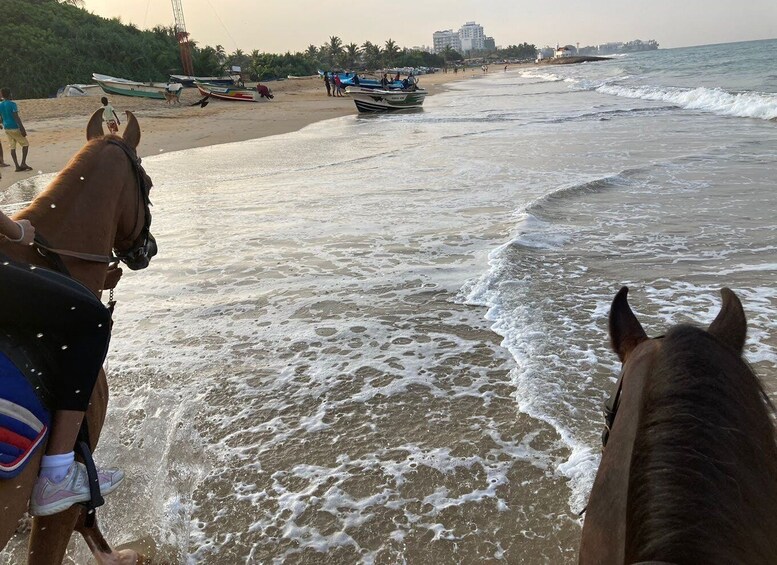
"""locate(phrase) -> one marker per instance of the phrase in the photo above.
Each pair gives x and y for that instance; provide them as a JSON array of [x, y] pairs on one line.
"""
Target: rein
[[44, 247], [611, 406]]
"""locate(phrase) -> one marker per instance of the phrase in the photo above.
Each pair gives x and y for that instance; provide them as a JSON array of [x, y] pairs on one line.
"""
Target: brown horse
[[97, 204], [689, 471]]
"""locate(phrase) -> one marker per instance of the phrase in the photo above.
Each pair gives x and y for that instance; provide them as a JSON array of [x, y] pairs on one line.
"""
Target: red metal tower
[[183, 39]]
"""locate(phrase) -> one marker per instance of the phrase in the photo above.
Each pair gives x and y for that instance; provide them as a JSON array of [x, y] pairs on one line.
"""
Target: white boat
[[378, 100], [75, 90], [228, 92], [124, 87], [189, 81]]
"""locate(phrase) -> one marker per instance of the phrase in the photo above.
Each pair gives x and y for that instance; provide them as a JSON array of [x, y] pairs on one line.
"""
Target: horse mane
[[79, 165], [703, 479]]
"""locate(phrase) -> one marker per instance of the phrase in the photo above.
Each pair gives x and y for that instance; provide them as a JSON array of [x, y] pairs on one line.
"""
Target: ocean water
[[383, 339]]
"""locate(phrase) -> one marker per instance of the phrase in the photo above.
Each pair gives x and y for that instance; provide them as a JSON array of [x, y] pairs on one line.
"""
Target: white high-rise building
[[472, 37], [447, 37]]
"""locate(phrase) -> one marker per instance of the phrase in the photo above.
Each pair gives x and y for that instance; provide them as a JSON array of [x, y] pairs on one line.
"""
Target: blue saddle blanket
[[24, 420]]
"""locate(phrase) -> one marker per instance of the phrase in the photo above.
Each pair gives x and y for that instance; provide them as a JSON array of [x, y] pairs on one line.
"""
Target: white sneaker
[[49, 497]]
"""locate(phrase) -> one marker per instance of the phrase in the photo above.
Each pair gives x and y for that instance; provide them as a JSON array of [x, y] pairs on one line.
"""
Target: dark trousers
[[46, 310]]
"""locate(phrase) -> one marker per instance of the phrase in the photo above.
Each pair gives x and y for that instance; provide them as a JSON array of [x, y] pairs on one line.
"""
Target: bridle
[[611, 406], [143, 246]]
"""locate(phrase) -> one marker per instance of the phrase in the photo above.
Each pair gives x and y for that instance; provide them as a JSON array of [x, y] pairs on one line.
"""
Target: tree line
[[50, 43]]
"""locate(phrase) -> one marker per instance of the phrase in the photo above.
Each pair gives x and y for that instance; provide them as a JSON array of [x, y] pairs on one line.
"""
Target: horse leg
[[101, 551], [15, 496], [50, 536]]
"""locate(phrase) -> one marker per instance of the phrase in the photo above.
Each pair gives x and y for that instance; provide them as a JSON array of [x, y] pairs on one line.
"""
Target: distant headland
[[570, 60]]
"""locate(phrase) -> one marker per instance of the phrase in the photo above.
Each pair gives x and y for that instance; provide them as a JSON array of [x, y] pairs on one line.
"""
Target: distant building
[[447, 37], [545, 52], [469, 39], [472, 37], [607, 48], [565, 51]]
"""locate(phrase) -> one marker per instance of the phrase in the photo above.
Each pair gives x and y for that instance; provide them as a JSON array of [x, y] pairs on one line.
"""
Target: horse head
[[134, 245], [689, 463]]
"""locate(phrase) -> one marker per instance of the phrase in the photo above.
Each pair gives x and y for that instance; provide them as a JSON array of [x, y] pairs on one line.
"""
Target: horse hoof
[[25, 524]]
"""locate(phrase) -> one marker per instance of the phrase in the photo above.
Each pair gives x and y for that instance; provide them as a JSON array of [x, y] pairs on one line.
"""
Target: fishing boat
[[347, 79], [124, 87], [378, 100], [228, 92], [188, 81]]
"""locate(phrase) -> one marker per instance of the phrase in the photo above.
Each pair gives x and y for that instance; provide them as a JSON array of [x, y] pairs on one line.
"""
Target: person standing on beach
[[326, 83], [14, 129], [110, 117], [338, 86], [263, 91], [2, 161]]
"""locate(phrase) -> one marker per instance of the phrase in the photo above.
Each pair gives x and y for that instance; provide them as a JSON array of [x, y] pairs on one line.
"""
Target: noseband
[[144, 244]]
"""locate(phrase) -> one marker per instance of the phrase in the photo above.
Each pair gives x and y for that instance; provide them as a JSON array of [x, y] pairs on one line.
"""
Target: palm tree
[[335, 46], [221, 55], [390, 52], [447, 53], [311, 51], [352, 55], [372, 55]]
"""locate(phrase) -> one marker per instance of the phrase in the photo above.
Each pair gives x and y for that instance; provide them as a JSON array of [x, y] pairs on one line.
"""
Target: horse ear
[[94, 128], [730, 325], [626, 332], [132, 131]]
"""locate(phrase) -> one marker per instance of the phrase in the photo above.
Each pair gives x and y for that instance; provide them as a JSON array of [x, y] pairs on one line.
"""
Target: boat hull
[[228, 92], [188, 81], [142, 91], [372, 100]]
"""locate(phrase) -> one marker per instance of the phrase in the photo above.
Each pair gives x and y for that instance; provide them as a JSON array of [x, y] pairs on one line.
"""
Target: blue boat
[[346, 79]]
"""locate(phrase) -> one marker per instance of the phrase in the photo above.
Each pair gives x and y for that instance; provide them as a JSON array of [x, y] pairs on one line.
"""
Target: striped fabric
[[24, 422]]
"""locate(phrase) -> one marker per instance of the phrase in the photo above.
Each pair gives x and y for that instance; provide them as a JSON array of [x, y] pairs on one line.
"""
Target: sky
[[291, 25]]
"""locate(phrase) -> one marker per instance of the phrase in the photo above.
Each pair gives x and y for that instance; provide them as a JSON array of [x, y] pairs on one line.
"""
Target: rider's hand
[[27, 233], [112, 277]]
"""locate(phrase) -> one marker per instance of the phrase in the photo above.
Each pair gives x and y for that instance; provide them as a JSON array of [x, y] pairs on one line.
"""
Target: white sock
[[55, 467]]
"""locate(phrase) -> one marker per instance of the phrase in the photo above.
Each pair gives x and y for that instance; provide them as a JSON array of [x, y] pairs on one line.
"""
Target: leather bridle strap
[[39, 242], [611, 409]]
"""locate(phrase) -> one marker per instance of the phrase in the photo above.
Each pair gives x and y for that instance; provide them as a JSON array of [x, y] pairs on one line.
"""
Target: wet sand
[[56, 126]]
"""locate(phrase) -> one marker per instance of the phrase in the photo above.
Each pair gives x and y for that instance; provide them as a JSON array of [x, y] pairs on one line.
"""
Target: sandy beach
[[56, 126]]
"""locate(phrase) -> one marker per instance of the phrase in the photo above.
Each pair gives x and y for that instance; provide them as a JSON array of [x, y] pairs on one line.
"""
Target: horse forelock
[[703, 479]]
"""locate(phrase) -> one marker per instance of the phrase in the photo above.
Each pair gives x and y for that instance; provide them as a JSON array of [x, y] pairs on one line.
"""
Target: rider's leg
[[59, 449]]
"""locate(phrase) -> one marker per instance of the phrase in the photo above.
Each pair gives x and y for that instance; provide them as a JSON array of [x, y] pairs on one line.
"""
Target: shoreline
[[56, 126]]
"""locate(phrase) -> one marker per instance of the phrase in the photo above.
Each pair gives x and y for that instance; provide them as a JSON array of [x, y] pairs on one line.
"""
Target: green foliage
[[47, 44], [269, 66], [416, 58], [523, 51]]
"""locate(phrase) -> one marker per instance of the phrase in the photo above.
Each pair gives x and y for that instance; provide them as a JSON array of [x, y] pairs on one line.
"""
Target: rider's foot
[[49, 497]]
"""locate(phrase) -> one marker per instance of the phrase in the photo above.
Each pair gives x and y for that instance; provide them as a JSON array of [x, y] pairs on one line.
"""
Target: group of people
[[334, 86], [14, 131]]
